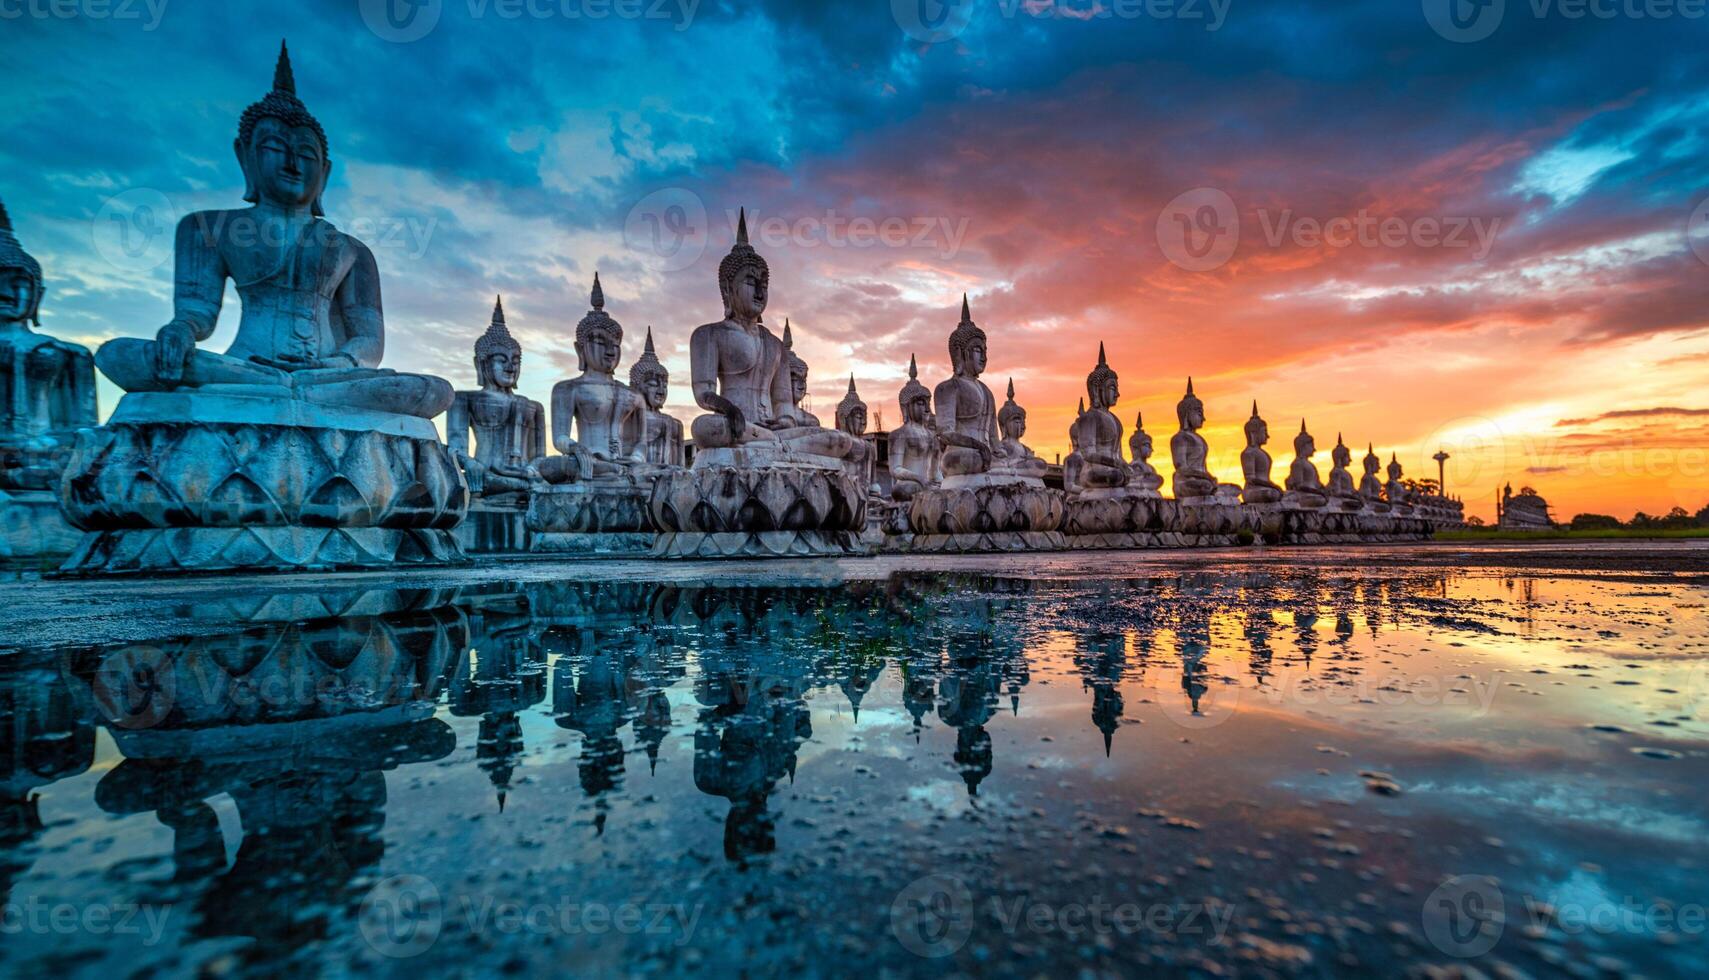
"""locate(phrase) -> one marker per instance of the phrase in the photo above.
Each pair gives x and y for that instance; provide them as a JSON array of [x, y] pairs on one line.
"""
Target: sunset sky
[[1525, 280]]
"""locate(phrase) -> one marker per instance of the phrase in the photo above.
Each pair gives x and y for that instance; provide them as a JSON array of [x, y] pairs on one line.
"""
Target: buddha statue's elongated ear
[[325, 178], [245, 163]]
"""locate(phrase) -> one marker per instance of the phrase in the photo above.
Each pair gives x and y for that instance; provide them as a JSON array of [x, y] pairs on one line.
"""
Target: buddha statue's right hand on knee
[[172, 348]]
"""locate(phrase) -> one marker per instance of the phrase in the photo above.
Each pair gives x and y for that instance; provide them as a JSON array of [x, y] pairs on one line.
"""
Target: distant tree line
[[1677, 519]]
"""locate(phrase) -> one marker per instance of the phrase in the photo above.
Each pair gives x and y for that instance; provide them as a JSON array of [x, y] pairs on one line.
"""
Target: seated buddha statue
[[1255, 463], [1341, 488], [1142, 476], [311, 327], [662, 444], [740, 375], [1013, 456], [1189, 451], [851, 420], [509, 429], [1305, 487], [1398, 496], [964, 407], [1371, 485], [914, 448], [607, 417], [1096, 436], [47, 386]]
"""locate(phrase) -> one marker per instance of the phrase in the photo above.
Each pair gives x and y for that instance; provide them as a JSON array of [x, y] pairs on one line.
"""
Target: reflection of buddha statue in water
[[47, 386], [1305, 487], [1096, 462], [662, 445], [914, 447], [609, 419], [1015, 456], [740, 374], [964, 407], [312, 326], [1255, 463], [1340, 480], [509, 429], [1143, 477]]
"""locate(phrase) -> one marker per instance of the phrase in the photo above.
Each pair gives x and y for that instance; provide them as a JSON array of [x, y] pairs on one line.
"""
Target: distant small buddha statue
[[1255, 463], [509, 429], [1399, 498], [851, 420], [1305, 487], [797, 382], [1371, 485], [663, 444], [608, 418], [1341, 486], [964, 407], [47, 386], [312, 326], [1013, 455], [740, 374], [1189, 451], [1143, 477], [1096, 436], [914, 450]]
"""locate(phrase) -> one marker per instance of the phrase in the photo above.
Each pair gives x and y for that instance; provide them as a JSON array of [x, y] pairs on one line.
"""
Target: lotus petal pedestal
[[603, 516], [741, 503], [213, 481], [31, 527], [987, 512]]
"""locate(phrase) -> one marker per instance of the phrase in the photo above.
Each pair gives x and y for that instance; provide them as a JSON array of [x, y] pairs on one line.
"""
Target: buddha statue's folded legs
[[129, 363]]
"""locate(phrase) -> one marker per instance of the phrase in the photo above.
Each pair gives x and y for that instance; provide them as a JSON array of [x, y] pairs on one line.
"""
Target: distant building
[[1522, 511]]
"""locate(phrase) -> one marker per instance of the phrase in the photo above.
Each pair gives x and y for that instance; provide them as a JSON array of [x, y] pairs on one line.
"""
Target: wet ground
[[1290, 762]]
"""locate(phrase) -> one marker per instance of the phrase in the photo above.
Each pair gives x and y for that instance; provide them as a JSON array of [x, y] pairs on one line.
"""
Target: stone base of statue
[[602, 516], [758, 502], [886, 528], [1111, 510], [987, 512], [31, 526], [495, 525], [223, 480]]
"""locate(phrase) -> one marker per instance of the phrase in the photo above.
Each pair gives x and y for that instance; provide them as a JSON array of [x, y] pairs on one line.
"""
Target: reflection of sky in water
[[1316, 751]]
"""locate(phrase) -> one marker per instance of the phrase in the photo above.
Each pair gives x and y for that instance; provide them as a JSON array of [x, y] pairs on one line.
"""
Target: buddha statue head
[[282, 148], [915, 399], [851, 412], [1139, 444], [743, 277], [1372, 461], [1257, 431], [599, 338], [1012, 418], [20, 278], [649, 377], [1304, 445], [1341, 456], [498, 357], [1190, 411], [1101, 385], [1395, 469], [797, 367], [967, 345]]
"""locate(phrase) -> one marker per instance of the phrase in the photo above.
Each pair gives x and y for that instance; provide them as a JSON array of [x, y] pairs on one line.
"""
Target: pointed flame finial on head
[[1082, 409], [598, 296], [913, 367], [1254, 408], [788, 338], [1189, 384], [1011, 389], [1138, 421], [851, 383], [648, 349], [498, 309], [966, 313], [5, 219], [284, 80], [1302, 427], [741, 227], [1102, 361]]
